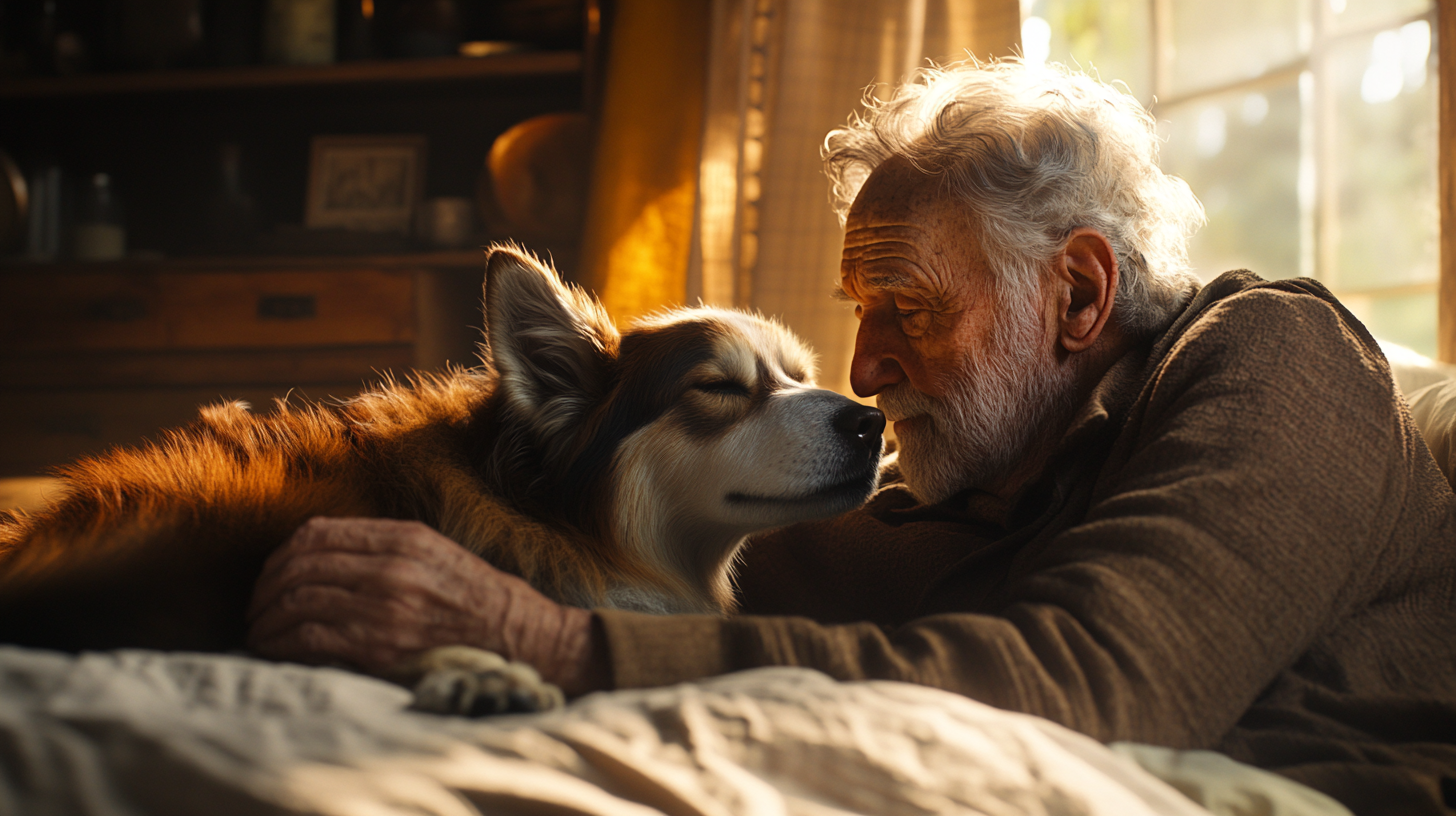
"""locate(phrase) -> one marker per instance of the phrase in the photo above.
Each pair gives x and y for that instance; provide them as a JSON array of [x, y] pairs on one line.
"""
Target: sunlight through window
[[1307, 127]]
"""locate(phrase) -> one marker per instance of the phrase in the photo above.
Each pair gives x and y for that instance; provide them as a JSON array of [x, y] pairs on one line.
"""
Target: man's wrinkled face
[[966, 381]]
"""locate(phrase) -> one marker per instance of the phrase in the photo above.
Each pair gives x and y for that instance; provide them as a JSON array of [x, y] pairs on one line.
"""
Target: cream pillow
[[1434, 410]]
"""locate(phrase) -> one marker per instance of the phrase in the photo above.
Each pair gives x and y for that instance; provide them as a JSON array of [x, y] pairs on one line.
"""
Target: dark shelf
[[374, 72], [439, 259]]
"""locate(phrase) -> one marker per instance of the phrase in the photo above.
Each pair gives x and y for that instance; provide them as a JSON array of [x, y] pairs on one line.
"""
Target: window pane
[[1383, 168], [1110, 36], [1218, 43], [1409, 319], [1349, 14], [1240, 154]]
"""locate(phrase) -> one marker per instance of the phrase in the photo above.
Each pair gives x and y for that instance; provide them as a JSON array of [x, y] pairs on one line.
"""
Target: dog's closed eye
[[723, 388]]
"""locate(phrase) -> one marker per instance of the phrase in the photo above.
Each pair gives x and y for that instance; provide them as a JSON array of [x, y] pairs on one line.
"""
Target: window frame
[[1318, 248], [1445, 31]]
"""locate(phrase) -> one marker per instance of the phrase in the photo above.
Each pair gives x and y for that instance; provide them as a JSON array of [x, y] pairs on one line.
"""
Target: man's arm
[[1251, 501], [1268, 484]]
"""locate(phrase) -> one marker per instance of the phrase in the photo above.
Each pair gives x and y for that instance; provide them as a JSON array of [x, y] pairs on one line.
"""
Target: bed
[[133, 732], [136, 732]]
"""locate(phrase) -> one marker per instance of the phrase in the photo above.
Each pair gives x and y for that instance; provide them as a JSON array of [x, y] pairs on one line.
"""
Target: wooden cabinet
[[100, 354], [176, 310]]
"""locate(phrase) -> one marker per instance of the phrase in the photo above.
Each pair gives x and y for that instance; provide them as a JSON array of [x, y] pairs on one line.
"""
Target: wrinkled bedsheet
[[136, 732]]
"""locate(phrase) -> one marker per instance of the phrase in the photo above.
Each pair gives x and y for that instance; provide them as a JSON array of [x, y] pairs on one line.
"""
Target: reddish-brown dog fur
[[174, 534], [605, 469], [159, 546]]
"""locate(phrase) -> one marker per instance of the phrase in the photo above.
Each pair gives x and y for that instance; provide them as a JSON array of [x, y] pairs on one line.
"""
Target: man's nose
[[874, 367]]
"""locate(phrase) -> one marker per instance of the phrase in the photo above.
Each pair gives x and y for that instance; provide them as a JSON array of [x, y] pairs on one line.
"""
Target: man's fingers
[[321, 623], [312, 535], [367, 591], [345, 570], [356, 535], [366, 637], [360, 536], [315, 642], [328, 604]]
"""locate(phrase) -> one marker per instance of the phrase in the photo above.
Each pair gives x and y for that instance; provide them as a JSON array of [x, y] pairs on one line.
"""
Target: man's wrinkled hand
[[373, 593]]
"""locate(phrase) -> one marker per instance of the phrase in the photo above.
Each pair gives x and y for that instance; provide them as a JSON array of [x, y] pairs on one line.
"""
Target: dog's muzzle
[[861, 425]]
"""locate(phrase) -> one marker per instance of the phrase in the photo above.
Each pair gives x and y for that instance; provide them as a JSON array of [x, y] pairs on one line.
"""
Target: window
[[1308, 128]]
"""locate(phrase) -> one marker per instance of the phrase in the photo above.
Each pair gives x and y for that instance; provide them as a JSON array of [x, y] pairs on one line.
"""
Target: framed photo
[[365, 183]]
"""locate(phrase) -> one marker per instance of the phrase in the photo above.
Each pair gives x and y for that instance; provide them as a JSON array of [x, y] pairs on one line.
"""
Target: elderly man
[[1197, 518]]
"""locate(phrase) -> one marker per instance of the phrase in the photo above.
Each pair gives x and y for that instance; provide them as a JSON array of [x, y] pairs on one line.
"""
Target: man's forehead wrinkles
[[881, 233], [894, 251]]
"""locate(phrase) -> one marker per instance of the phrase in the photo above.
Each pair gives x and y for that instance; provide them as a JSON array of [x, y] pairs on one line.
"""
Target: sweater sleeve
[[1252, 498]]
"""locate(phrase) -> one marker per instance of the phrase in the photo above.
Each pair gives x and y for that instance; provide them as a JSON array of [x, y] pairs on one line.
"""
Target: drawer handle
[[117, 310], [287, 307]]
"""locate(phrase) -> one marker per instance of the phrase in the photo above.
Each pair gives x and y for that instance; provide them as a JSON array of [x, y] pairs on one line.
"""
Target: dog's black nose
[[863, 423]]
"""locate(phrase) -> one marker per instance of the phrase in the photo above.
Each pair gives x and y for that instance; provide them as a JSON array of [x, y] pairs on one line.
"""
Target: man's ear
[[1086, 277], [550, 343]]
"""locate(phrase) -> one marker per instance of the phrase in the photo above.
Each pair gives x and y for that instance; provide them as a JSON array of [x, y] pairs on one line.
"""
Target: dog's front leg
[[465, 681]]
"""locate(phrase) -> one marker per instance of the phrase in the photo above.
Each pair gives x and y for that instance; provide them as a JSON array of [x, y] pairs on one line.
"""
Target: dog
[[608, 469]]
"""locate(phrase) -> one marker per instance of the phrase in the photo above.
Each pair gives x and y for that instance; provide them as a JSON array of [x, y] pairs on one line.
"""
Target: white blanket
[[149, 733]]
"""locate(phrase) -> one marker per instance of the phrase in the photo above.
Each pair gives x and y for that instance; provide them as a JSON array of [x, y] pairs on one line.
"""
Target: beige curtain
[[707, 183], [781, 74], [644, 187]]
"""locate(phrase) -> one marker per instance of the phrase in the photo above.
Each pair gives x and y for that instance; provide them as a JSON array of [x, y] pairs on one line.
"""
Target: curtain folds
[[782, 74], [644, 179], [708, 183]]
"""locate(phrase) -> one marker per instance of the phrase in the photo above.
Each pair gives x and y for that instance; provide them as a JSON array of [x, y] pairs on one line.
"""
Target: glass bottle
[[299, 32], [99, 234]]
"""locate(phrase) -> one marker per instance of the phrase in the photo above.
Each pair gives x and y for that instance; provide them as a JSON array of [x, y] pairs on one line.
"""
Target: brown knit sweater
[[1242, 543]]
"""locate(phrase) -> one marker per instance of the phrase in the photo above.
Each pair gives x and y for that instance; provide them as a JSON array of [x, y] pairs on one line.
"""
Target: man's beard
[[993, 412]]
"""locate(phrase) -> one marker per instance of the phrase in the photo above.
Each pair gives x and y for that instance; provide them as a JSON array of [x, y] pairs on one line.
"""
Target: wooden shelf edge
[[379, 72], [443, 259]]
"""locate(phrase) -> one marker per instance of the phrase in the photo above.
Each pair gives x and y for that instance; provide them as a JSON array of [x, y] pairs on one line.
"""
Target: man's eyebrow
[[886, 280], [879, 282]]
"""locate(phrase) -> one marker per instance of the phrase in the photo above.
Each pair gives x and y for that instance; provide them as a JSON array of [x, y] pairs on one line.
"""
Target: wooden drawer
[[228, 367], [95, 358], [212, 310]]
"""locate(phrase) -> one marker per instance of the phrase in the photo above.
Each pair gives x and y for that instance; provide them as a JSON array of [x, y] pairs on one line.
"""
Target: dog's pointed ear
[[551, 343]]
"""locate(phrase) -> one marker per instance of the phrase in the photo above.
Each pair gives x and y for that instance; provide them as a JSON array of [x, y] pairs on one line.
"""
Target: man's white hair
[[1036, 152]]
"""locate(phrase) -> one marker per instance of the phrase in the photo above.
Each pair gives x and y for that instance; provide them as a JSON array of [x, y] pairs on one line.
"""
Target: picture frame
[[365, 183]]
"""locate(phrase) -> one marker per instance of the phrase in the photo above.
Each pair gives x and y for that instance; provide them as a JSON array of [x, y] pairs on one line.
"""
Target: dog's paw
[[470, 682]]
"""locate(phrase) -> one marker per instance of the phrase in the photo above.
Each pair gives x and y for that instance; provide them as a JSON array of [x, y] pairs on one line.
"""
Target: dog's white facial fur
[[752, 445], [705, 423]]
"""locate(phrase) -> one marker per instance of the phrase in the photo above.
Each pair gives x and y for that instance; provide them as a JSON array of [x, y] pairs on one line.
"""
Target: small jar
[[99, 234], [299, 32]]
